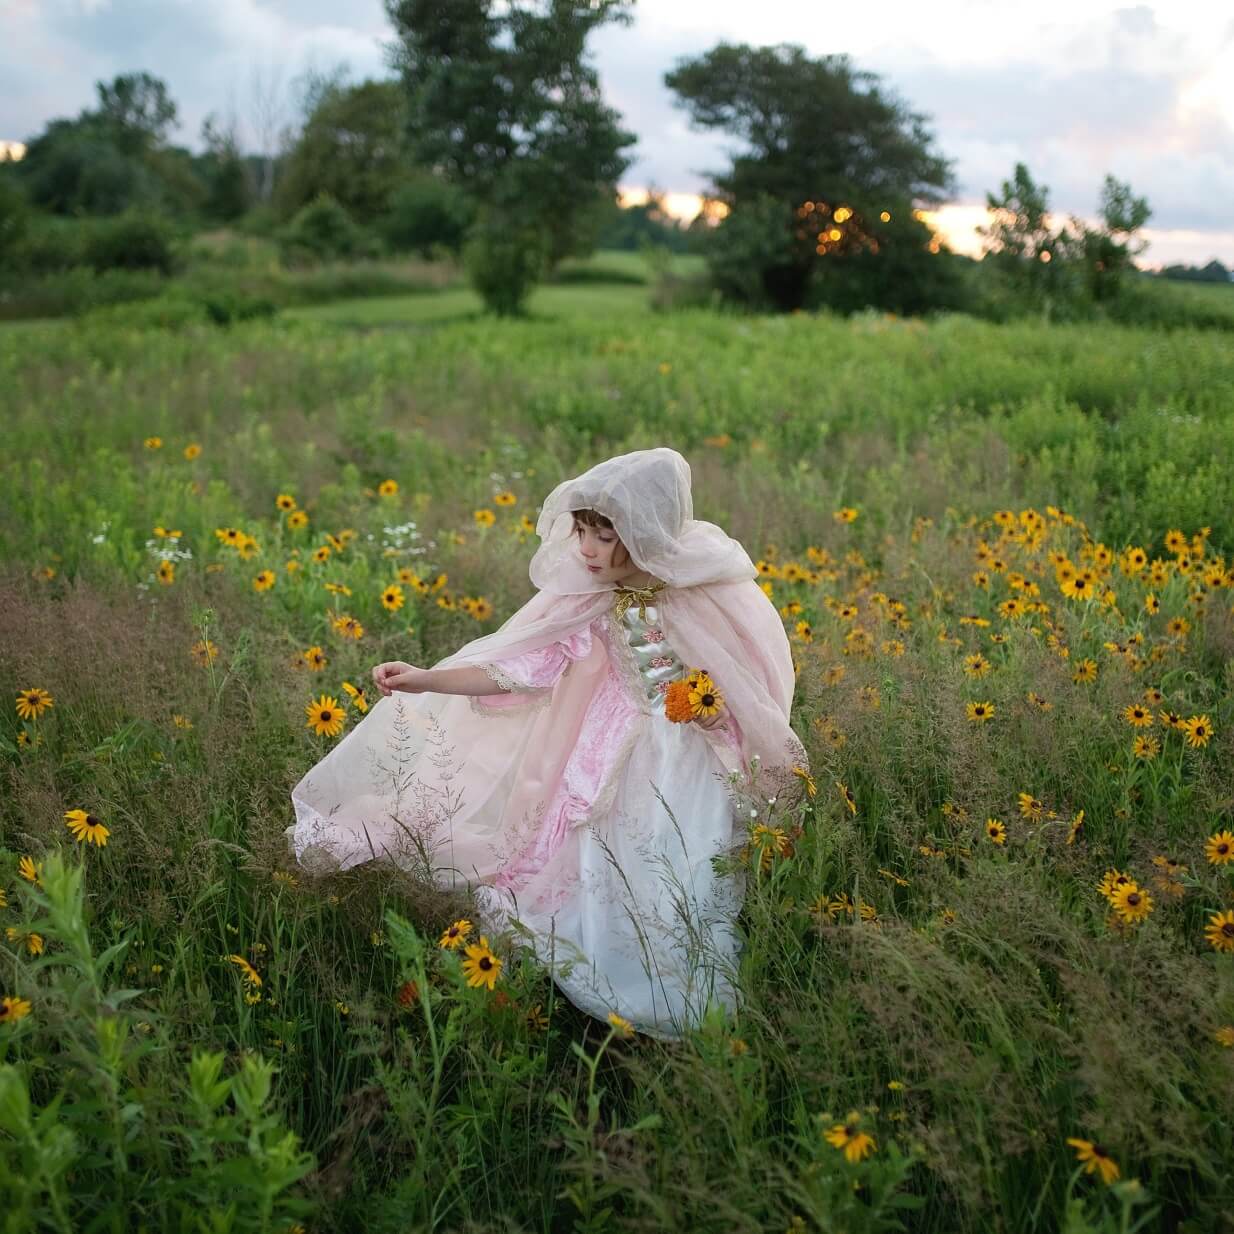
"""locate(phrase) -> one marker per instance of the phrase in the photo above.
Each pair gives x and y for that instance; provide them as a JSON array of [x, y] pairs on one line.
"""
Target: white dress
[[617, 894]]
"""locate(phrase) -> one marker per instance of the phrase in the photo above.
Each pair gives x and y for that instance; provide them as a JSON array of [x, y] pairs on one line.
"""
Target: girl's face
[[598, 546]]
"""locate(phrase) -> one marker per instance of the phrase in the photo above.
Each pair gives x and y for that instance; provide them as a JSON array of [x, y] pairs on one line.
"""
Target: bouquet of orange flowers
[[691, 696]]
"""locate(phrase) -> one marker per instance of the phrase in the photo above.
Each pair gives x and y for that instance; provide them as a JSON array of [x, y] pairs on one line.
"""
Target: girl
[[536, 765]]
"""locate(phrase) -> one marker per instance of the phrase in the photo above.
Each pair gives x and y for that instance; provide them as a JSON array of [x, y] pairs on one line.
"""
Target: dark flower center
[[485, 963]]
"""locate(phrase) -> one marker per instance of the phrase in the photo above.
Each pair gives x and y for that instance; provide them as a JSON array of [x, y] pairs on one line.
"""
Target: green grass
[[990, 982]]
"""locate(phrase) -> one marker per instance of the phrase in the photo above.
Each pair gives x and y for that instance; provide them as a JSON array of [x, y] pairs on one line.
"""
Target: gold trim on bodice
[[642, 596]]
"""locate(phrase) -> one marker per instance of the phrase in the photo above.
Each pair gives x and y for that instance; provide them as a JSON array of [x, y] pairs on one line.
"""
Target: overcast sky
[[1073, 88]]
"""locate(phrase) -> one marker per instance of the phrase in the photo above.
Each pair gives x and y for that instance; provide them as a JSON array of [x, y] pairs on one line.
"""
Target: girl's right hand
[[399, 675]]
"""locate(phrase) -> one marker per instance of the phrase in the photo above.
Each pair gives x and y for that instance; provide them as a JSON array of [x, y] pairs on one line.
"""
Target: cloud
[[1107, 95]]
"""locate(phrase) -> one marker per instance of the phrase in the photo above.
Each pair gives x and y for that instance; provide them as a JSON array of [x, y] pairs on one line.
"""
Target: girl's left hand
[[710, 722]]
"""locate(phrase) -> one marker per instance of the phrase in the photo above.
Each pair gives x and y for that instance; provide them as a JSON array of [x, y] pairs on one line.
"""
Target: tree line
[[493, 142]]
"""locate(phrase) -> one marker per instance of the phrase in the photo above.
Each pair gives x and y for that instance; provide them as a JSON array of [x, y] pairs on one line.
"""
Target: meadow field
[[988, 982]]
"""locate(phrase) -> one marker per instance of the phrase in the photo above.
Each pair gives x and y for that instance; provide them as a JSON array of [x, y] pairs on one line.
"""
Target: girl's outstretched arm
[[462, 679]]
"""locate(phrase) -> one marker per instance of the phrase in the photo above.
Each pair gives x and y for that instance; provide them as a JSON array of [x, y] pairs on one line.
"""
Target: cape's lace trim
[[502, 678], [531, 702]]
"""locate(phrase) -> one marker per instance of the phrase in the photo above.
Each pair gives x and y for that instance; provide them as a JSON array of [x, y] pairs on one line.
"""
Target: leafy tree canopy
[[814, 127], [352, 147], [502, 102]]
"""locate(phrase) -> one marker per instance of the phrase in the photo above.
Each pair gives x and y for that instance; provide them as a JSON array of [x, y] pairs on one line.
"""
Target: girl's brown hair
[[592, 518]]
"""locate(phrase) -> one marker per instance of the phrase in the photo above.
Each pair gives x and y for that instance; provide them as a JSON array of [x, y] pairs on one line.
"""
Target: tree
[[352, 147], [1110, 250], [228, 192], [138, 111], [831, 157], [814, 127], [502, 103], [1062, 267], [109, 159]]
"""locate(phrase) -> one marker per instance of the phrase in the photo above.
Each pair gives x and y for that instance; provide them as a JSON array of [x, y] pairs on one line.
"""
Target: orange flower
[[677, 702]]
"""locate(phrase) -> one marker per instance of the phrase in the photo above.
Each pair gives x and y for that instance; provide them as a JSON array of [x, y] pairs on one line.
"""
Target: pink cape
[[455, 785]]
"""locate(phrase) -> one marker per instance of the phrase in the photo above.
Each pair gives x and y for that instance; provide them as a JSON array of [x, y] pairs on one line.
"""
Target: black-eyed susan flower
[[848, 1136], [285, 502], [1219, 848], [1111, 881], [1030, 806], [1138, 715], [297, 520], [166, 573], [810, 787], [620, 1024], [705, 699], [481, 967], [455, 934], [31, 871], [845, 514], [31, 703], [86, 828], [247, 971], [1131, 902], [387, 488], [976, 665], [315, 658], [1095, 1158], [1198, 730], [30, 939], [1085, 671], [325, 717], [392, 598], [1225, 1036], [321, 554], [846, 796], [505, 498], [1076, 824], [1145, 748], [1220, 931], [264, 581], [204, 652], [192, 451], [484, 517], [153, 443], [1037, 701], [13, 1009], [979, 713], [356, 694], [996, 831]]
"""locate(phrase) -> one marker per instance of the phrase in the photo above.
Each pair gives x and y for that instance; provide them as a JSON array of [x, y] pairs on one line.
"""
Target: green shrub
[[425, 216], [130, 241], [14, 220], [504, 261], [323, 230], [64, 293]]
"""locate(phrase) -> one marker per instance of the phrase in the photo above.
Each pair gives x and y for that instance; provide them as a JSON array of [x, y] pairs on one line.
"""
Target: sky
[[1072, 88]]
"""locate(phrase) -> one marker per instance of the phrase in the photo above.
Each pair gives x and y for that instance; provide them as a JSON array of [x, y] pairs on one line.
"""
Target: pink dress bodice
[[640, 666]]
